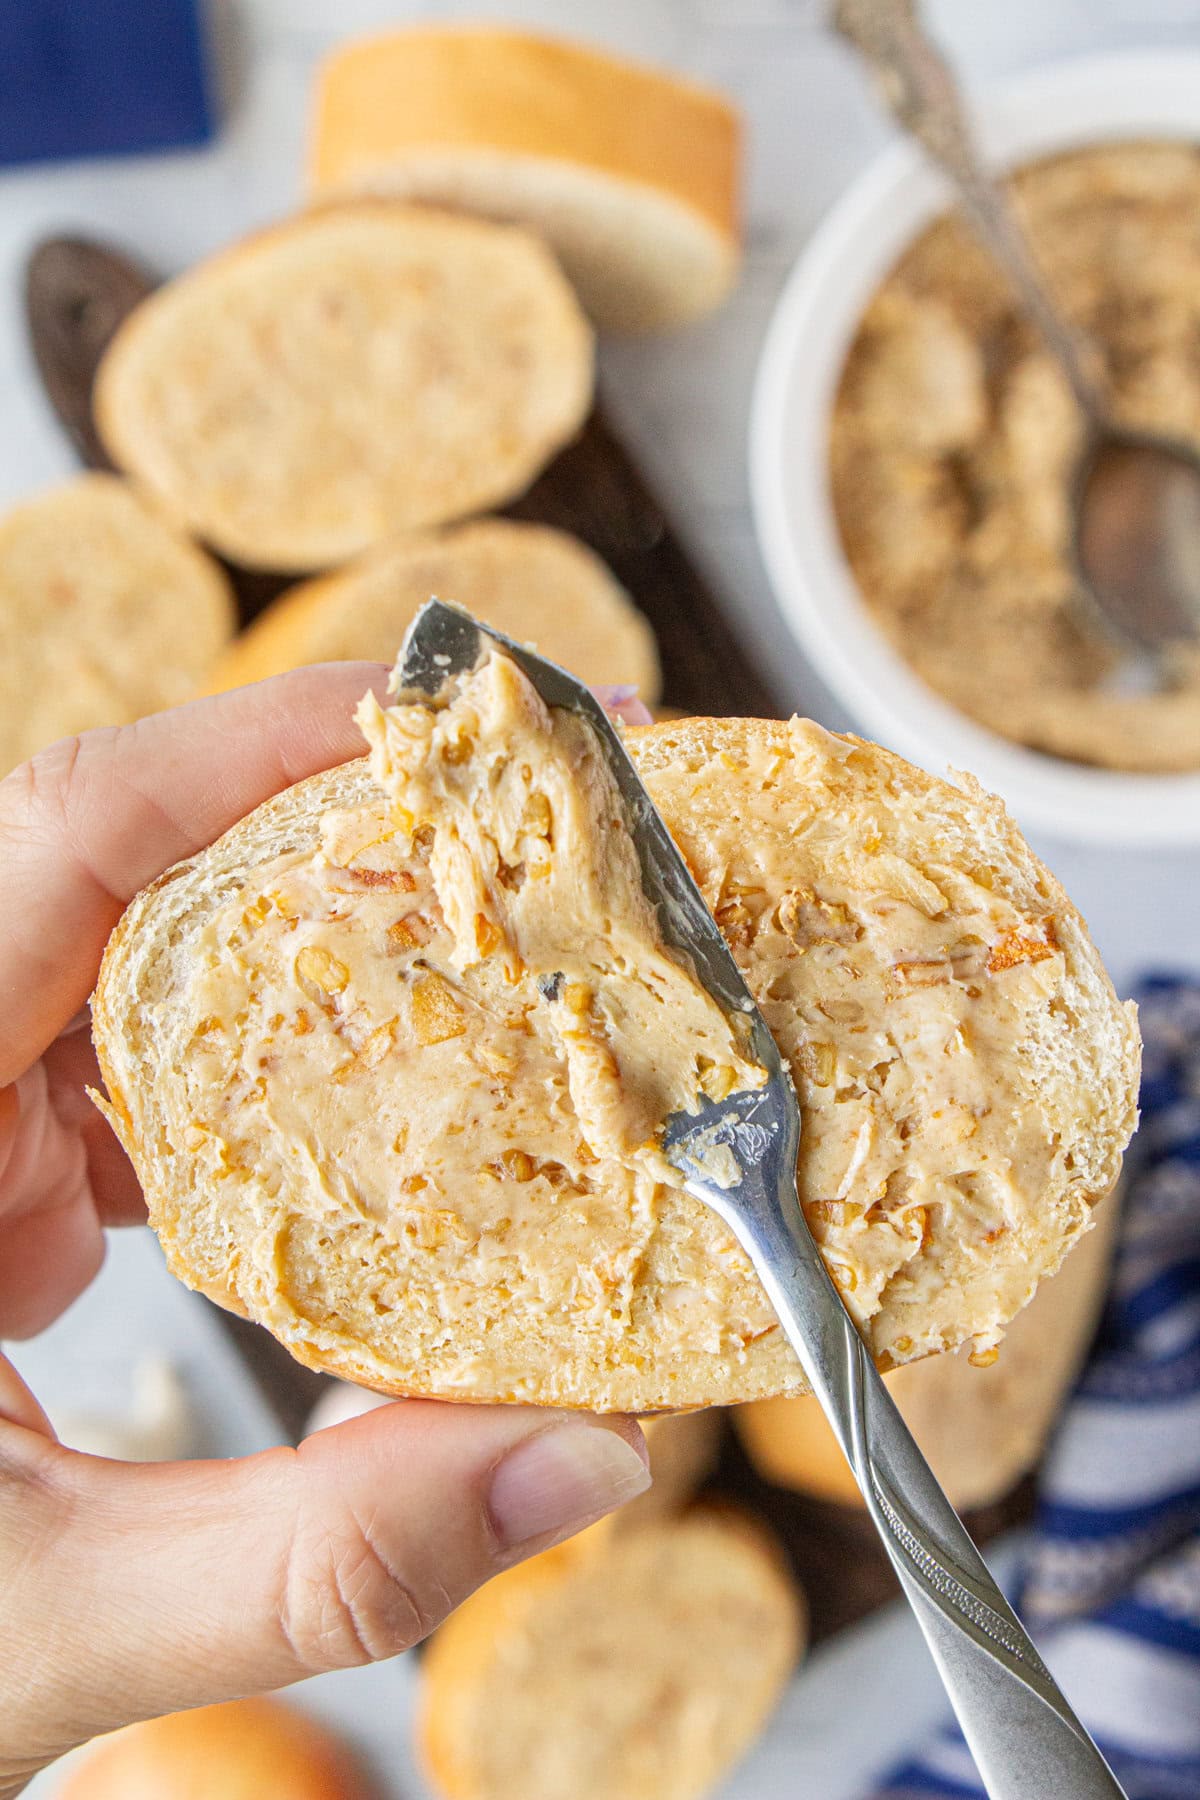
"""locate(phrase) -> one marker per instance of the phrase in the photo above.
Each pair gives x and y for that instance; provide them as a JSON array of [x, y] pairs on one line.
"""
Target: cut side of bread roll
[[643, 1670], [540, 586], [242, 1750], [382, 1150], [351, 373], [631, 175], [107, 613], [981, 1429]]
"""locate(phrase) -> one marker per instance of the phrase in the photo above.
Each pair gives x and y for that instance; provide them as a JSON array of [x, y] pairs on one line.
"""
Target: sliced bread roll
[[632, 175], [106, 613], [351, 373], [383, 1150], [643, 1669], [541, 586], [981, 1429]]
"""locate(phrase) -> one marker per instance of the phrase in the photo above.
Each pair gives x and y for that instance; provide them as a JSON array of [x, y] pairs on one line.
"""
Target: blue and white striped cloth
[[1110, 1586]]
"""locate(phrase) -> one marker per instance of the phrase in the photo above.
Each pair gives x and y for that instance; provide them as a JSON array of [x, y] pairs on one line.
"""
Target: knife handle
[[1024, 1736]]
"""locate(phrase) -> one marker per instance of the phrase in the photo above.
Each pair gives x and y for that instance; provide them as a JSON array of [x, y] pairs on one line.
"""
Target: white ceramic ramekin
[[1139, 94]]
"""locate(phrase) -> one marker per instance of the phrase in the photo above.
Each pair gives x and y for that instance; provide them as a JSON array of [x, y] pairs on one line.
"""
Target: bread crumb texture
[[540, 586], [109, 613], [358, 1120], [631, 174], [655, 1659], [354, 372]]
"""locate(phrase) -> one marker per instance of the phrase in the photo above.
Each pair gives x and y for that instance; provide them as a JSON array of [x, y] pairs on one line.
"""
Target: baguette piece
[[347, 374], [383, 1151], [981, 1430], [639, 1667], [631, 174], [541, 586], [108, 613]]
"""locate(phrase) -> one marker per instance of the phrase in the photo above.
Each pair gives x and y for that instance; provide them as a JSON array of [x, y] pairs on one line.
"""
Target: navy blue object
[[1110, 1587], [101, 78]]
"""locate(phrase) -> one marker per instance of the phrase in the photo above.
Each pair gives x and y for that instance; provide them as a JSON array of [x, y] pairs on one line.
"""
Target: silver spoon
[[1136, 496]]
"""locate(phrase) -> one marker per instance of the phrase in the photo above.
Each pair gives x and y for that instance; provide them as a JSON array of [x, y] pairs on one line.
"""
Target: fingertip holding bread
[[637, 1667], [350, 373], [355, 1119], [539, 585], [631, 174], [242, 1750], [109, 613], [981, 1429]]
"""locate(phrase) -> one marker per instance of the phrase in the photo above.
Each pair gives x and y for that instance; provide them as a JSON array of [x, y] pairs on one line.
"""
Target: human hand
[[127, 1590]]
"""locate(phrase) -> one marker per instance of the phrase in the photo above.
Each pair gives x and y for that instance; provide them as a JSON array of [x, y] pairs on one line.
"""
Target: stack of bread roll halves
[[352, 389]]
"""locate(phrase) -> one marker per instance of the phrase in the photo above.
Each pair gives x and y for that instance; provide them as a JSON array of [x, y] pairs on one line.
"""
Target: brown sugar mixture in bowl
[[954, 441]]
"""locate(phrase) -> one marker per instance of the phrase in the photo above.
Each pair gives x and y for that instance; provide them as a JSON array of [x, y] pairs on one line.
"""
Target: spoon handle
[[1026, 1740], [923, 97]]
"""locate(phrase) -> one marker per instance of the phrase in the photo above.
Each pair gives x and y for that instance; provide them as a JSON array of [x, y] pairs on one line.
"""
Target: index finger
[[87, 823]]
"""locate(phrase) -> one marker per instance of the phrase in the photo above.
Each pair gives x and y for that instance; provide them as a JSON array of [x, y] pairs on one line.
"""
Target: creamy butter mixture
[[434, 1054], [390, 1074], [955, 440], [912, 1000], [533, 866]]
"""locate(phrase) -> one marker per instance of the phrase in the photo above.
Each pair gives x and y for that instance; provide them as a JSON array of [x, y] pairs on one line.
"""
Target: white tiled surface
[[683, 403]]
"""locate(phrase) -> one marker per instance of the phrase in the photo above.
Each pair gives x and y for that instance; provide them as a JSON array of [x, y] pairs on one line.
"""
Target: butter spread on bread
[[980, 1429], [357, 1120], [538, 883]]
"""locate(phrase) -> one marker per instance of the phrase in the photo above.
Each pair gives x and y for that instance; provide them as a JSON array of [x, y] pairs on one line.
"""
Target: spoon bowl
[[1136, 523], [1137, 537]]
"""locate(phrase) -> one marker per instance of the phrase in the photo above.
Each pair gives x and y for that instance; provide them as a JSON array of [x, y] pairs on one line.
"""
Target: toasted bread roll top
[[238, 1751]]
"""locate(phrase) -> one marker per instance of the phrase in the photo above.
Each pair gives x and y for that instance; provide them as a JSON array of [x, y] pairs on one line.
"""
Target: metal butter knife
[[1026, 1741]]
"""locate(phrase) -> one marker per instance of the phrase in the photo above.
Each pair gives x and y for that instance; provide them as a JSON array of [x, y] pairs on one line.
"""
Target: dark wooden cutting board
[[77, 293]]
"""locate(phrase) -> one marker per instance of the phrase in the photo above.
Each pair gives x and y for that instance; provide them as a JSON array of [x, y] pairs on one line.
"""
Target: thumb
[[131, 1590]]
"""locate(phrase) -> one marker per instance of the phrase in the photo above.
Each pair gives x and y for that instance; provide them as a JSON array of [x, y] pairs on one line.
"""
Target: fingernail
[[561, 1480]]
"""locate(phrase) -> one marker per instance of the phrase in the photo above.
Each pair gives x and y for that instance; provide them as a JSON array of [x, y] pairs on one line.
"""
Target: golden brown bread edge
[[1110, 1038], [535, 583], [232, 1749], [632, 174]]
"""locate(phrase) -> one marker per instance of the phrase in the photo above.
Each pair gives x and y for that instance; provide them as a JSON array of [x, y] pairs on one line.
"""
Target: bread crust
[[631, 174], [352, 372], [237, 1750], [1087, 1069]]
